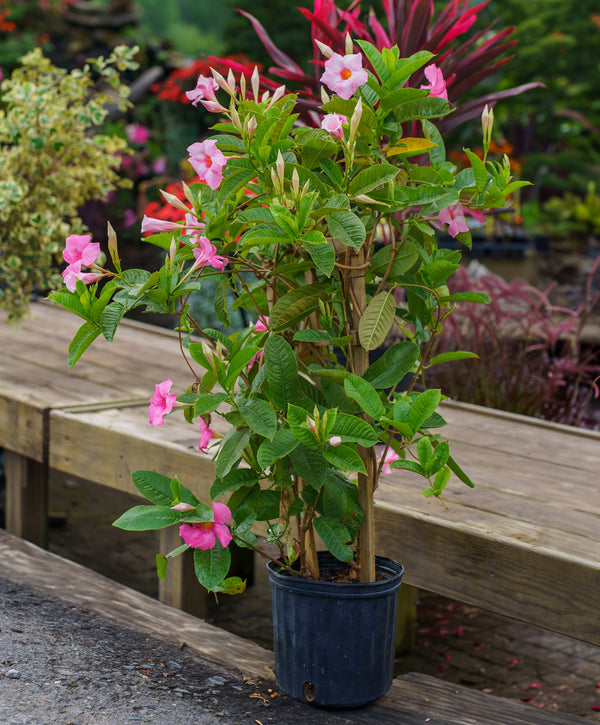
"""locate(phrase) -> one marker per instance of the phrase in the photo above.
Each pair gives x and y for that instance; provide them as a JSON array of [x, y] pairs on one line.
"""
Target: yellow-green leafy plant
[[53, 160]]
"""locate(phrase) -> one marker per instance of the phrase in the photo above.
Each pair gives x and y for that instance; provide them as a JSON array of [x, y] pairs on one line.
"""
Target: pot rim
[[350, 590]]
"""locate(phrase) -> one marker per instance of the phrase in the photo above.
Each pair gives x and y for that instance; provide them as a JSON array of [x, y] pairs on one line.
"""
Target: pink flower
[[204, 536], [254, 359], [454, 217], [335, 441], [207, 161], [193, 226], [150, 225], [73, 272], [437, 84], [389, 458], [344, 74], [129, 218], [159, 165], [205, 254], [205, 436], [161, 402], [79, 248], [204, 92], [262, 324], [137, 134], [332, 122]]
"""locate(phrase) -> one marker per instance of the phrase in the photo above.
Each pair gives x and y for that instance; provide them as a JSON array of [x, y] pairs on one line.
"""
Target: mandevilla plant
[[288, 219]]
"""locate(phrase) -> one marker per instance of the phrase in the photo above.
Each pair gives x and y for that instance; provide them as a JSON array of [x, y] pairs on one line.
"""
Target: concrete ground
[[453, 641]]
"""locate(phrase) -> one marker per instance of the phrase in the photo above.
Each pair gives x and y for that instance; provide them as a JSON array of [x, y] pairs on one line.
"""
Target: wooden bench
[[413, 699], [524, 543]]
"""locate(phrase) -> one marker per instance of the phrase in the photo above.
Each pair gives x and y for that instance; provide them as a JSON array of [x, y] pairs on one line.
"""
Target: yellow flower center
[[346, 74]]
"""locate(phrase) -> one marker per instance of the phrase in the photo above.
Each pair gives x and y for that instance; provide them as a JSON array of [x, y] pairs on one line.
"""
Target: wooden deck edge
[[28, 564], [520, 418]]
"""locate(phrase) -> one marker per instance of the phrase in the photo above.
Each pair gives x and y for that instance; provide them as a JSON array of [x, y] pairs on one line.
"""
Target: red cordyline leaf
[[415, 30], [412, 26]]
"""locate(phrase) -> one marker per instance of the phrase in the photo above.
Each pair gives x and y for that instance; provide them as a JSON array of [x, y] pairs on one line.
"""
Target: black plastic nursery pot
[[334, 642]]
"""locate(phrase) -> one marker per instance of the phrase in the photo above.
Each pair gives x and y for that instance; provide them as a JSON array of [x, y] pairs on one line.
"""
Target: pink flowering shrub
[[285, 220]]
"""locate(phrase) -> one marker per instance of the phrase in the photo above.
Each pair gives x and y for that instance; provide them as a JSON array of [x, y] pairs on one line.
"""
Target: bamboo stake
[[366, 535]]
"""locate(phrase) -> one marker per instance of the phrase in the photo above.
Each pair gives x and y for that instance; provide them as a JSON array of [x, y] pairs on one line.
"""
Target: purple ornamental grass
[[530, 356]]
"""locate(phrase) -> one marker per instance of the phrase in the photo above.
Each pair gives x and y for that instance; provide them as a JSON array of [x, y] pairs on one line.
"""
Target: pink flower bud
[[182, 507]]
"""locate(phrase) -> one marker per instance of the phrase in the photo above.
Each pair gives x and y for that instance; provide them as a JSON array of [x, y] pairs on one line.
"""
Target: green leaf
[[479, 170], [146, 518], [365, 395], [260, 417], [344, 458], [309, 335], [348, 228], [375, 59], [425, 454], [335, 536], [155, 487], [340, 502], [296, 305], [283, 443], [281, 371], [408, 466], [377, 320], [161, 566], [231, 585], [221, 304], [83, 338], [310, 465], [396, 362], [238, 478], [212, 566], [70, 301], [405, 258], [262, 234], [323, 255], [466, 297], [207, 402], [441, 479], [238, 363], [459, 473], [354, 429], [449, 356], [370, 178], [110, 318], [230, 451], [423, 406], [296, 418]]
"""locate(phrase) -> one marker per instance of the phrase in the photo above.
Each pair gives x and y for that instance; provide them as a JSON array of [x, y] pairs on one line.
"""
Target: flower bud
[[334, 441], [325, 49], [182, 507], [255, 80], [349, 49], [172, 200], [311, 425], [355, 120]]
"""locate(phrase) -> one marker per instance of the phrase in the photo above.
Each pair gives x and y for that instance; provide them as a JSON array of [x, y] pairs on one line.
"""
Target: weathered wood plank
[[22, 428], [510, 433], [26, 497], [416, 698], [463, 561], [24, 562], [107, 445]]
